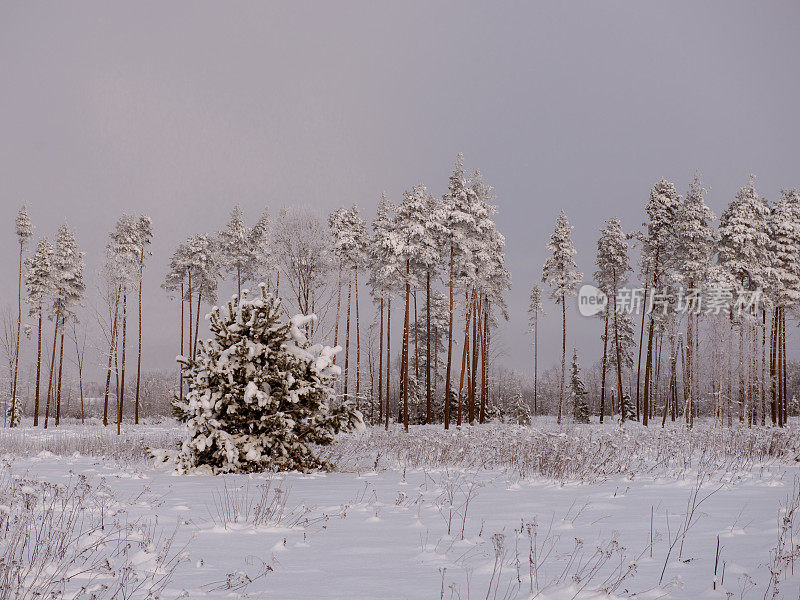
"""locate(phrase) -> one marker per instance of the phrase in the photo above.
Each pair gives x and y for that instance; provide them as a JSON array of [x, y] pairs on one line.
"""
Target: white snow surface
[[519, 526]]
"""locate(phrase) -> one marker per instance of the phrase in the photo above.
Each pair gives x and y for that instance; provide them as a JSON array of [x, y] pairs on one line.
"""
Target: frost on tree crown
[[259, 393]]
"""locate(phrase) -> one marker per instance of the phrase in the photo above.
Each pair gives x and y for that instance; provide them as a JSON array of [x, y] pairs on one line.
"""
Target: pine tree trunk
[[38, 370], [380, 369], [388, 358], [784, 370], [191, 318], [52, 363], [416, 341], [239, 282], [763, 366], [641, 339], [647, 373], [449, 350], [689, 371], [428, 347], [347, 339], [772, 368], [183, 351], [405, 347], [358, 349], [16, 347], [563, 356], [121, 405], [338, 309], [464, 357], [111, 354], [603, 367], [473, 367], [484, 360], [536, 363], [197, 324], [60, 370], [139, 353], [618, 351]]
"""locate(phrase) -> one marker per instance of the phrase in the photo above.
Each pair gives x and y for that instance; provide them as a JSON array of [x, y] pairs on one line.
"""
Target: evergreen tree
[[657, 249], [580, 409], [67, 269], [612, 269], [561, 273], [236, 252], [693, 255], [534, 308], [40, 287], [144, 237], [263, 253], [259, 393], [24, 229]]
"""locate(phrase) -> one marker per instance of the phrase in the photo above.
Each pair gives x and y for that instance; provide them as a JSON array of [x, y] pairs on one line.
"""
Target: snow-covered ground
[[487, 512]]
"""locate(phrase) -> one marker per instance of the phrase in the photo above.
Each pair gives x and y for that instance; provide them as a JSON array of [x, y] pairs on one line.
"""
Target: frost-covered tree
[[491, 281], [67, 270], [783, 287], [385, 280], [657, 248], [40, 288], [24, 229], [259, 393], [302, 249], [694, 247], [236, 251], [417, 253], [350, 246], [613, 266], [560, 272], [534, 308], [266, 266], [123, 258], [580, 408], [744, 250], [144, 237]]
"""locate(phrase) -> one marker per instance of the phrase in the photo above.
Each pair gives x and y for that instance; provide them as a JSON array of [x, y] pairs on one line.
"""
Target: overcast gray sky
[[180, 109]]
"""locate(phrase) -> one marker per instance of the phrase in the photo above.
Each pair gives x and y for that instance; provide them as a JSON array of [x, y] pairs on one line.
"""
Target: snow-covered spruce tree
[[40, 287], [534, 308], [24, 229], [266, 266], [259, 393], [561, 273], [580, 409], [236, 250], [520, 412], [612, 270]]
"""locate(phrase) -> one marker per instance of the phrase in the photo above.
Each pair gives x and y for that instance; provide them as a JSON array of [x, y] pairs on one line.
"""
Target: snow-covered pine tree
[[175, 281], [67, 269], [459, 228], [744, 250], [266, 266], [259, 393], [693, 254], [40, 287], [123, 255], [783, 282], [580, 409], [561, 273], [417, 253], [384, 280], [520, 412], [144, 237], [534, 308], [236, 252], [492, 280], [24, 229], [661, 209], [613, 266]]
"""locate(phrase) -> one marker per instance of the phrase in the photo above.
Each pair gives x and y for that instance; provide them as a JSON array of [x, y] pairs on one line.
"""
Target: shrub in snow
[[259, 393], [520, 412]]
